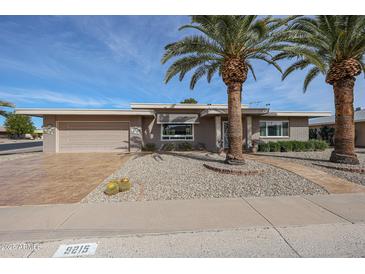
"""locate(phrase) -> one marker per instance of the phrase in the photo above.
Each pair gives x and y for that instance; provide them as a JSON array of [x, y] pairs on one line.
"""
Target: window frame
[[176, 140], [267, 131]]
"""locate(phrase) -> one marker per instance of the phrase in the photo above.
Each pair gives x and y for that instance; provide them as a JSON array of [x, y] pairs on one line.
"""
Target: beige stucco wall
[[135, 125], [360, 134], [145, 130], [298, 128]]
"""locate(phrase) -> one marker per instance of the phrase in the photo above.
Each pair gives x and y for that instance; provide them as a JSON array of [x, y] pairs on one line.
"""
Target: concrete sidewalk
[[32, 223], [308, 226]]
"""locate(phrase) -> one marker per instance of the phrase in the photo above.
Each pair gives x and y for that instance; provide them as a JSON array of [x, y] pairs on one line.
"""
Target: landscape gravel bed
[[181, 175], [320, 159]]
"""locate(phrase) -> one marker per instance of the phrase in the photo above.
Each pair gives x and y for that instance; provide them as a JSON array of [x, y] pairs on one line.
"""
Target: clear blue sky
[[108, 62]]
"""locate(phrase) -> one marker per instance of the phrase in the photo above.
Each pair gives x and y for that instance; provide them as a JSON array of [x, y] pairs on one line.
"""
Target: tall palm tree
[[333, 46], [5, 104], [224, 44]]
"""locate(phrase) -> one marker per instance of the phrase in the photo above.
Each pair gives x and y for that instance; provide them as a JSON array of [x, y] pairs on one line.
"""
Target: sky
[[111, 61]]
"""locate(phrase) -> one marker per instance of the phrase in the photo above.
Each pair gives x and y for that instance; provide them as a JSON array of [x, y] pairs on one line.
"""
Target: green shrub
[[309, 145], [320, 145], [185, 146], [168, 147], [264, 147], [149, 147], [274, 146], [298, 146], [285, 146]]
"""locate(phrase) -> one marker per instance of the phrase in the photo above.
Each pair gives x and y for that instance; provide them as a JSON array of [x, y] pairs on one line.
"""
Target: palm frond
[[310, 76]]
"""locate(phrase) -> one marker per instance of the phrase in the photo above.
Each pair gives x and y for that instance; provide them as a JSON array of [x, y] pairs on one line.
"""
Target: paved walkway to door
[[55, 178], [332, 184]]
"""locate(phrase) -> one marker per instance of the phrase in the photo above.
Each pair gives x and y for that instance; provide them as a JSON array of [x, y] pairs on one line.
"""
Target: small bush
[[297, 146], [168, 147], [264, 147], [274, 146], [185, 146], [149, 147], [285, 146], [309, 146], [320, 145]]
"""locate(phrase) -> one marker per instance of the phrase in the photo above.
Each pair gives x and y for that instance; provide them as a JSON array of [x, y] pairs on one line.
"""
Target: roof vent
[[358, 109]]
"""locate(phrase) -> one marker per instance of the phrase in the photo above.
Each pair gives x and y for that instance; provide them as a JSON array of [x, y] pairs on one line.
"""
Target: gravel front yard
[[182, 176], [317, 158]]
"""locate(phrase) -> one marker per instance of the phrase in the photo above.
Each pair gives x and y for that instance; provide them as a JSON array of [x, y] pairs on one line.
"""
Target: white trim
[[176, 140], [299, 113], [224, 111], [179, 106], [271, 137], [67, 121], [41, 112]]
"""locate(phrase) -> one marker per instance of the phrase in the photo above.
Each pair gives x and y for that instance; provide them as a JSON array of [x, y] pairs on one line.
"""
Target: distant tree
[[5, 104], [17, 125], [189, 101]]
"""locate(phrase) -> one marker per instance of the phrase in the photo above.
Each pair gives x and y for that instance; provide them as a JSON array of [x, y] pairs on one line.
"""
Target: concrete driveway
[[54, 178]]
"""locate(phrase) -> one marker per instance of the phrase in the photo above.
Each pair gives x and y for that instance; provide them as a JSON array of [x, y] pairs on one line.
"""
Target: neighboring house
[[92, 130], [359, 118]]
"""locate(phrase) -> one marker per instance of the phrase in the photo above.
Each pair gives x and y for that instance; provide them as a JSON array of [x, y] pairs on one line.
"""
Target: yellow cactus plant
[[124, 184], [114, 186]]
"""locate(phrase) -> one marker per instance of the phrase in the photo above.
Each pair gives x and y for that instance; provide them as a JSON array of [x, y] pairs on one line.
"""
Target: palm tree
[[225, 44], [5, 104], [333, 46]]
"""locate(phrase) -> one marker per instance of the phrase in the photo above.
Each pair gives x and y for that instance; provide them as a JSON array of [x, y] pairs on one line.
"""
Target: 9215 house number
[[76, 250]]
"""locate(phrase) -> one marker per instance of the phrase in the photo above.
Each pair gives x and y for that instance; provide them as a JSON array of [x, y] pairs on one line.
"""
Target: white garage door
[[90, 136]]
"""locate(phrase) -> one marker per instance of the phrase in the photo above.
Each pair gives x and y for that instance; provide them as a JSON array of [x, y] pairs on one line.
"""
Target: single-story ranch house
[[104, 130], [359, 119]]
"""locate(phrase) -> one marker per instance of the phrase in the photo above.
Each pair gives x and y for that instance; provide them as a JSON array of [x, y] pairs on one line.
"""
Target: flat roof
[[179, 106], [359, 116], [67, 111], [224, 111], [299, 113]]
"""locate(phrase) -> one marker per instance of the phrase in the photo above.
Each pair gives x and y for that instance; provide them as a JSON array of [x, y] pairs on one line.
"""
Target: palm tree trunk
[[234, 155], [344, 151]]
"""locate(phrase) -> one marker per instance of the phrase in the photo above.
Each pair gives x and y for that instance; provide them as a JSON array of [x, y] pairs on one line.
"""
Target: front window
[[274, 129], [177, 132]]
